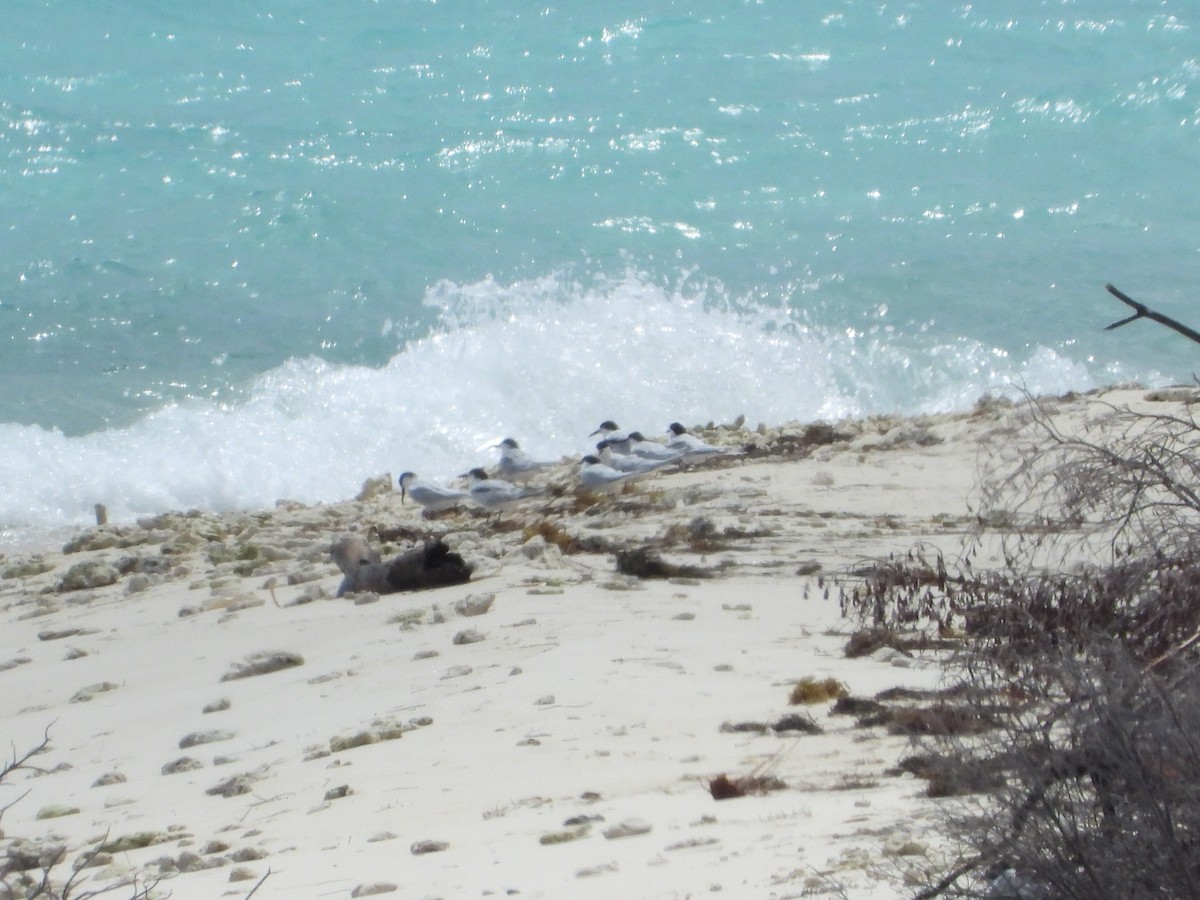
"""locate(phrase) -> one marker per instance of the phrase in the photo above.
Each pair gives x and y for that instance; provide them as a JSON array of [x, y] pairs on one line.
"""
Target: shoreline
[[551, 725]]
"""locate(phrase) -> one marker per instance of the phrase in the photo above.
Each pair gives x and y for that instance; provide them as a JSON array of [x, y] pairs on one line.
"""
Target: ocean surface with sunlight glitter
[[256, 251]]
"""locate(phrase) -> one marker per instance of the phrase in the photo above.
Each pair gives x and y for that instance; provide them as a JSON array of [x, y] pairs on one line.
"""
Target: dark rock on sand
[[431, 565]]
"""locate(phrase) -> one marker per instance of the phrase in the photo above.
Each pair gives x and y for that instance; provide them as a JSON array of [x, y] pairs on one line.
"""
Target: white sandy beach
[[558, 744]]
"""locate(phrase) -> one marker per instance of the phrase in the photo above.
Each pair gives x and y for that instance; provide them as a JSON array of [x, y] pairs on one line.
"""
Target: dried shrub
[[939, 720], [859, 707], [812, 690], [702, 536], [1081, 660], [553, 533], [793, 722], [1101, 789], [644, 562], [949, 776], [725, 788], [868, 640]]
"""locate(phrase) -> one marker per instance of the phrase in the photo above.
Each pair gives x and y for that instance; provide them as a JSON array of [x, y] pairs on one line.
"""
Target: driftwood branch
[[1141, 311]]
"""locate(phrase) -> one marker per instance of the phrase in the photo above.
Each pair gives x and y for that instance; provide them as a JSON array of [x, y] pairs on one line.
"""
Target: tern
[[691, 447], [431, 497], [639, 446], [495, 495], [618, 440], [517, 465], [629, 462], [596, 476]]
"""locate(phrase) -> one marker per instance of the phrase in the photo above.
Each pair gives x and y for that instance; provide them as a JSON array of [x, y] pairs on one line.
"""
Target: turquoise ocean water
[[253, 251]]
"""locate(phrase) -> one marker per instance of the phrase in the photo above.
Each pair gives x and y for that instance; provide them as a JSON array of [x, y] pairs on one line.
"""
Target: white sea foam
[[543, 361]]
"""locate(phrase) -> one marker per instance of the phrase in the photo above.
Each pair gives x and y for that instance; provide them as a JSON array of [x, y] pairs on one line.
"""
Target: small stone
[[197, 738], [165, 864], [457, 672], [426, 654], [337, 793], [93, 859], [327, 677], [214, 847], [349, 742], [183, 764], [217, 706], [134, 841], [241, 873], [408, 618], [188, 861], [87, 575], [422, 847], [247, 854], [627, 828], [112, 872], [137, 583], [56, 811], [692, 842], [379, 486], [83, 695], [59, 635], [575, 821], [310, 594], [232, 787], [369, 890], [109, 778], [565, 836], [474, 604], [390, 731], [381, 836], [469, 636], [592, 871], [545, 700], [262, 664]]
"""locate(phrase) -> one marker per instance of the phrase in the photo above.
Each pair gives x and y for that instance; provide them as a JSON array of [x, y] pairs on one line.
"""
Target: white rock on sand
[[570, 755]]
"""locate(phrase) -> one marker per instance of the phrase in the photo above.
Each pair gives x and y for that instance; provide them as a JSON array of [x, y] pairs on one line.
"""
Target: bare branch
[[1144, 312], [258, 885], [22, 762]]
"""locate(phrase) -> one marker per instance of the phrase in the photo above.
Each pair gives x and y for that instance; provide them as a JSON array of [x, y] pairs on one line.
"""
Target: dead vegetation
[[1077, 731], [643, 562], [760, 780], [701, 535], [817, 690]]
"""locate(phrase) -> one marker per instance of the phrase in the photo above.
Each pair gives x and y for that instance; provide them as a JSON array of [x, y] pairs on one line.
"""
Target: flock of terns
[[620, 458]]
